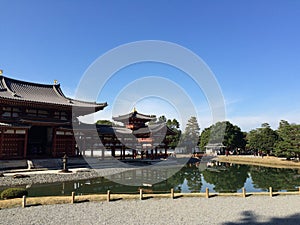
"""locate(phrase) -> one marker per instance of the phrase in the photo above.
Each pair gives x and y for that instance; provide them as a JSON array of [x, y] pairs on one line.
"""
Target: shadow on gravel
[[115, 199], [148, 197], [213, 195], [178, 196], [250, 218], [32, 205], [82, 201]]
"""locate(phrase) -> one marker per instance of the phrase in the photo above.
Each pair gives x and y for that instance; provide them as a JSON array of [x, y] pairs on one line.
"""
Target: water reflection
[[221, 178], [278, 178], [226, 177]]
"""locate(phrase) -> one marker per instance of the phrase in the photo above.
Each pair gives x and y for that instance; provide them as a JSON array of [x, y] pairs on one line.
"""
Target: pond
[[222, 178]]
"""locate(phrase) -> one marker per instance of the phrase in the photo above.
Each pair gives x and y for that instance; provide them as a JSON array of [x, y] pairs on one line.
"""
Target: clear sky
[[252, 47]]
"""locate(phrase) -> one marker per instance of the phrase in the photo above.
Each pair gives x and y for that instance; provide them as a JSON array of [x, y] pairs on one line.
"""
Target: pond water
[[221, 178]]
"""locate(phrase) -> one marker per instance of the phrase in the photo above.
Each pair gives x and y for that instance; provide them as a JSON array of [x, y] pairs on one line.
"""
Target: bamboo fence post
[[207, 193], [24, 201], [172, 193], [73, 197], [108, 196], [244, 192], [141, 194]]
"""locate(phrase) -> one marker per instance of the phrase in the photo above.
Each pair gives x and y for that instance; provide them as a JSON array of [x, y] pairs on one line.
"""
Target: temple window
[[10, 112], [61, 115]]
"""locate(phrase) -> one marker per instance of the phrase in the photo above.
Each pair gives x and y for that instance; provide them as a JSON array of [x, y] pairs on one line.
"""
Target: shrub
[[13, 193]]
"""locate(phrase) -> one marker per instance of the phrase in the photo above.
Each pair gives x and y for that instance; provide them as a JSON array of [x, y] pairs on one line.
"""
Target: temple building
[[135, 137], [36, 119]]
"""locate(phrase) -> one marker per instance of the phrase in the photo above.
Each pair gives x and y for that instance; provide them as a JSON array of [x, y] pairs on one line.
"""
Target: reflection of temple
[[128, 141], [36, 119]]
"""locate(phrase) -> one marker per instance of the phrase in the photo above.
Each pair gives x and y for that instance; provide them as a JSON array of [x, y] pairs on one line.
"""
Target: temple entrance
[[39, 141]]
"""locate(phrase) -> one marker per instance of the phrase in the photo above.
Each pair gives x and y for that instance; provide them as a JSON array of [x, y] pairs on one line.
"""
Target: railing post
[[172, 193], [73, 197], [141, 194], [244, 192], [271, 191], [108, 196], [207, 193], [24, 201]]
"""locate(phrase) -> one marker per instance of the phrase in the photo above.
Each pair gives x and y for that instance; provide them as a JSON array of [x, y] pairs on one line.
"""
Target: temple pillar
[[124, 148], [113, 151], [25, 144], [54, 143], [166, 151], [1, 141]]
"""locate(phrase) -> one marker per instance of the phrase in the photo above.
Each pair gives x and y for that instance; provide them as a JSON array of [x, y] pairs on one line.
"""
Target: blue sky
[[252, 47]]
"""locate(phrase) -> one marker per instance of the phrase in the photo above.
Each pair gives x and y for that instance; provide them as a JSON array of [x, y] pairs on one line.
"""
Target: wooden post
[[1, 142], [108, 195], [299, 190], [207, 193], [141, 194], [244, 192], [271, 191], [172, 193], [54, 142], [24, 201], [73, 197], [25, 144]]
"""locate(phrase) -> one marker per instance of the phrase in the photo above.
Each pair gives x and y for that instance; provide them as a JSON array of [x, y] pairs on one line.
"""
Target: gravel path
[[39, 177], [261, 210]]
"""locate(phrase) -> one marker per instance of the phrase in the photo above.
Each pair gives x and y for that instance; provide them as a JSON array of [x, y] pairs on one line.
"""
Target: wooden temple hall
[[36, 122], [36, 119], [134, 138]]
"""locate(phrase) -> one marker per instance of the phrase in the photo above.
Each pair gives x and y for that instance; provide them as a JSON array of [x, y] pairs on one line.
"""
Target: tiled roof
[[134, 115], [40, 93]]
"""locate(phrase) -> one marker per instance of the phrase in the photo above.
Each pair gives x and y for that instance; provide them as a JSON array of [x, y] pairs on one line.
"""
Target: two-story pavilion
[[134, 136], [36, 119]]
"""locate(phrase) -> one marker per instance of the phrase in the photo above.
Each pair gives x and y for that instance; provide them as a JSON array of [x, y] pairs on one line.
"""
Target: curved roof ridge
[[13, 93], [56, 88], [13, 89], [27, 82]]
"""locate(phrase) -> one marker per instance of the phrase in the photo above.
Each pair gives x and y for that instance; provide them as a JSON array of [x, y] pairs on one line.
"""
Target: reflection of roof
[[40, 93], [134, 115]]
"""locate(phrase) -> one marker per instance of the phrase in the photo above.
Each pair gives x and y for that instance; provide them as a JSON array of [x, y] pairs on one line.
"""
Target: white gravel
[[217, 210], [52, 176]]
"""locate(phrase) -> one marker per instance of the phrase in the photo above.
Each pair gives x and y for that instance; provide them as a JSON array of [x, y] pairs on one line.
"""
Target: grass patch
[[268, 161]]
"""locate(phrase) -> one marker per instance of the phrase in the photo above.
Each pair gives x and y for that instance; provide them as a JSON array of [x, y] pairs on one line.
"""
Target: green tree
[[173, 125], [204, 138], [105, 122], [191, 134], [162, 119], [173, 139], [263, 139], [289, 140], [224, 132]]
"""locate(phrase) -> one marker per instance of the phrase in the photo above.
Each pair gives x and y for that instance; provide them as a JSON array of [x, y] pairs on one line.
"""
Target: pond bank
[[267, 161]]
